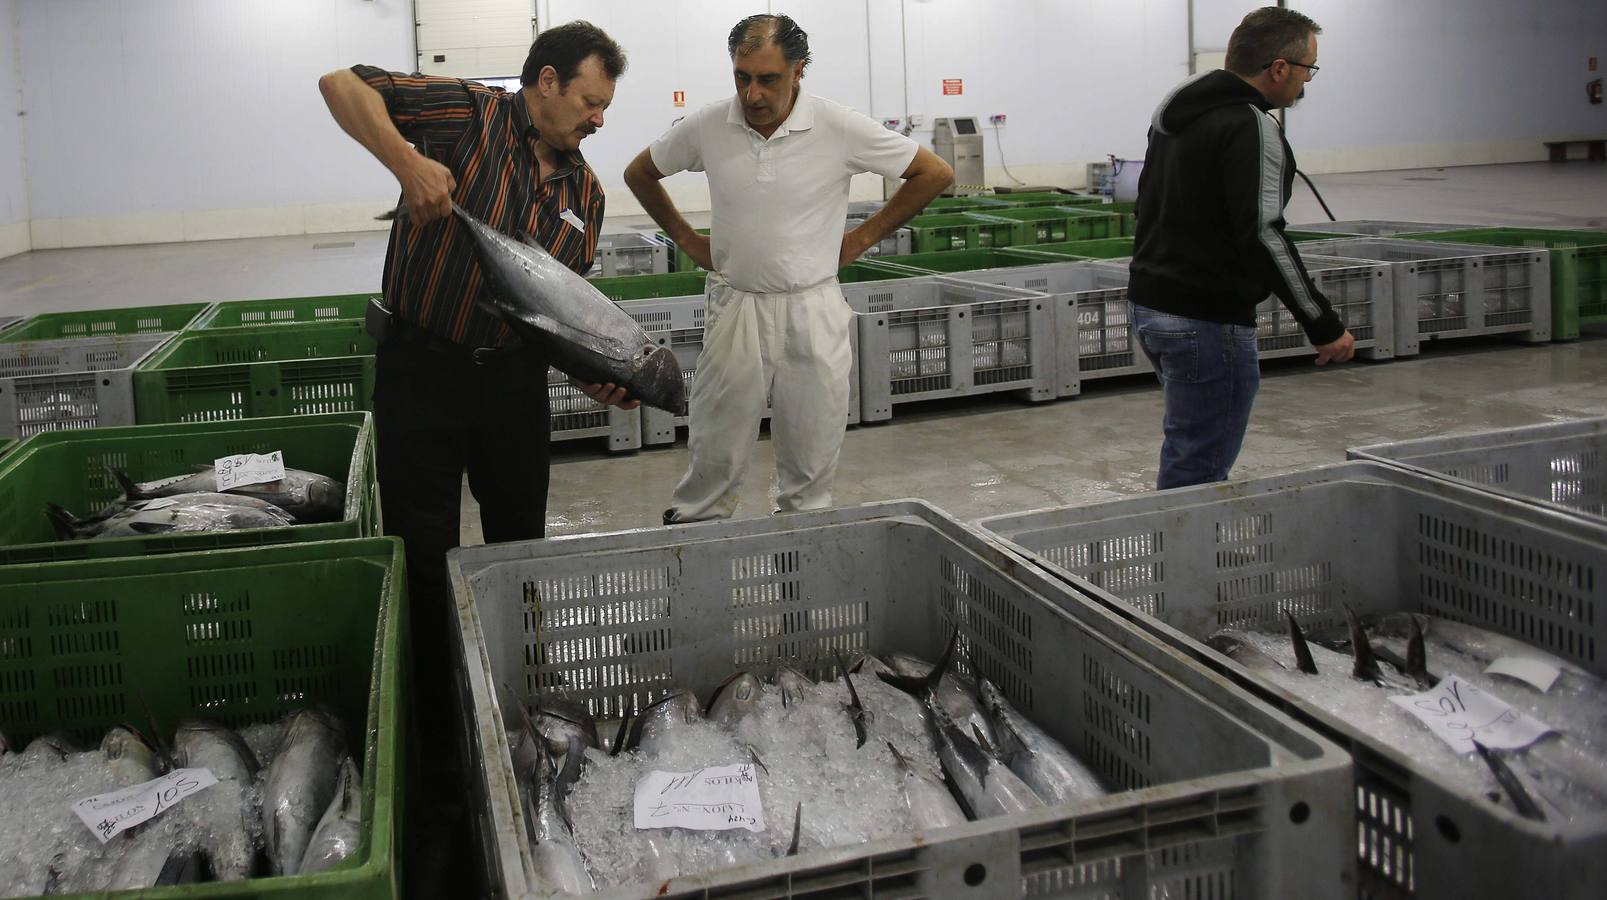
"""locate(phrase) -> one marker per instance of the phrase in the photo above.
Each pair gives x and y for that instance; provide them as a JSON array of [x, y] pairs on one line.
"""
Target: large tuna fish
[[589, 337]]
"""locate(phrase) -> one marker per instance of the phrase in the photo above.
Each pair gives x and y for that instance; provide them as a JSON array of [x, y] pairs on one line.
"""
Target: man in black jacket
[[1210, 243]]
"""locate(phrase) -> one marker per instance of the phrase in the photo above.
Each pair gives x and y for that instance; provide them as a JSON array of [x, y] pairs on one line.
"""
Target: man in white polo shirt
[[776, 325]]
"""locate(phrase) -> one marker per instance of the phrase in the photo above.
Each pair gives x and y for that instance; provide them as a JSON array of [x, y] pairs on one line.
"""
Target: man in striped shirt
[[455, 389]]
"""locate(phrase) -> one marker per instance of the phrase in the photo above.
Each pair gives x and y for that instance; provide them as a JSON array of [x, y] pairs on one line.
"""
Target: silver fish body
[[181, 513], [1042, 762], [954, 693], [222, 813], [308, 496], [556, 856], [987, 785], [588, 336], [931, 805], [735, 699], [558, 719], [341, 828], [660, 722], [796, 687], [300, 785]]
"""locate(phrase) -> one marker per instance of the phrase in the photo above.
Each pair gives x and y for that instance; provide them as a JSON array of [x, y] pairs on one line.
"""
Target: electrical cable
[[999, 142], [1314, 193]]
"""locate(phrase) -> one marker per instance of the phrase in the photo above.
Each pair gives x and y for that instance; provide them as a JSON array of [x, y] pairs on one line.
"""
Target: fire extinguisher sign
[[953, 86]]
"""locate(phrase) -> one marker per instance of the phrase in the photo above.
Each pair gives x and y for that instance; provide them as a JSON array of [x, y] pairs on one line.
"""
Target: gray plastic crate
[[1559, 465], [932, 337], [576, 416], [1183, 563], [1374, 227], [1458, 290], [1227, 797], [77, 383], [860, 210], [627, 253], [1093, 319], [677, 323], [1360, 290]]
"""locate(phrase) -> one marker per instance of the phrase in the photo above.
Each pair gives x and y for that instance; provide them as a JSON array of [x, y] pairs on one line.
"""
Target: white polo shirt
[[780, 204]]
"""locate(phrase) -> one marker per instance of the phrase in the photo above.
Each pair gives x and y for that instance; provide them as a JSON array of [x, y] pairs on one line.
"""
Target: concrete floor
[[987, 455]]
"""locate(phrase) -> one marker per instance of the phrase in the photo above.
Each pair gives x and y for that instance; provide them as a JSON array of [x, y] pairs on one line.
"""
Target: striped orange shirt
[[485, 136]]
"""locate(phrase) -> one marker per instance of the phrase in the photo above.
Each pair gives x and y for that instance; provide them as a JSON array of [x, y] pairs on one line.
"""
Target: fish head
[[327, 495], [736, 697], [656, 380], [795, 685]]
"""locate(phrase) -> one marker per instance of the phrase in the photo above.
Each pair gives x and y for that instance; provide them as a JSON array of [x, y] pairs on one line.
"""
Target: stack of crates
[[1359, 290], [105, 323], [1216, 794], [285, 311], [220, 374], [1092, 317], [1447, 290], [933, 337], [1183, 563], [630, 253], [1578, 261], [1059, 224]]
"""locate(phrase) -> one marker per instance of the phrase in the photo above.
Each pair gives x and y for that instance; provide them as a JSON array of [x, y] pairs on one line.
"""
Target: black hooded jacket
[[1210, 242]]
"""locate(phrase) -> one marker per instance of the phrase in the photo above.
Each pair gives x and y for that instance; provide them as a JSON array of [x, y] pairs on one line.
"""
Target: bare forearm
[[927, 177], [645, 182], [360, 112]]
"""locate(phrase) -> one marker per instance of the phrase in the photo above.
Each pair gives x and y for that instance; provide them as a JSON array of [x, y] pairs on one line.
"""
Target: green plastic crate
[[940, 205], [1104, 248], [285, 311], [1128, 210], [92, 323], [1578, 268], [6, 444], [1058, 224], [68, 468], [232, 636], [1046, 198], [680, 283], [959, 231], [682, 262], [241, 373], [959, 261]]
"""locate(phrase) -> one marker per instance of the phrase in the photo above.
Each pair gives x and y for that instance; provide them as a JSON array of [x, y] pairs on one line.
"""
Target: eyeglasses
[[1311, 68]]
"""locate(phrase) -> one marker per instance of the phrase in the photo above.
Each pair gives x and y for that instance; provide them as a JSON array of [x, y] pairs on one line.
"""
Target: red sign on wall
[[953, 86]]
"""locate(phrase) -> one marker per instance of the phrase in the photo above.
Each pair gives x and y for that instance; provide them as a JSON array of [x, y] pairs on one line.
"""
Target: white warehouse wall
[[13, 174], [156, 120]]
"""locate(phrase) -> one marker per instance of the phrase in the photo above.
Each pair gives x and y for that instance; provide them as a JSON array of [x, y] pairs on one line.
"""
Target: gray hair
[[755, 31], [1266, 34]]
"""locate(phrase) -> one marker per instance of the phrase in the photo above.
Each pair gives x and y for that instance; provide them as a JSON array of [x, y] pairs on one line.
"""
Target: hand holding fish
[[608, 395], [427, 188]]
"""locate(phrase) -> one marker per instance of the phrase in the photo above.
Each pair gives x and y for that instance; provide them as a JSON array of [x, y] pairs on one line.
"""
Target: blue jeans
[[1209, 373]]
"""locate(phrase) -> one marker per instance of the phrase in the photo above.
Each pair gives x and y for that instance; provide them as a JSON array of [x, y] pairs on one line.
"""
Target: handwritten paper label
[[249, 468], [109, 815], [715, 798], [1459, 713], [1537, 672]]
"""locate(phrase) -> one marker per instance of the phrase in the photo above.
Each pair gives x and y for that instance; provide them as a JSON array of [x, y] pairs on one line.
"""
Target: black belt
[[409, 335]]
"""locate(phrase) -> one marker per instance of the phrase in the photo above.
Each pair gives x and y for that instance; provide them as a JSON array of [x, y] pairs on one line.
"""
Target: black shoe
[[669, 516]]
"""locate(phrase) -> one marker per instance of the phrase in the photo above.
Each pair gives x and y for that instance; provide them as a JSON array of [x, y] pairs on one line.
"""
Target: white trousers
[[789, 349]]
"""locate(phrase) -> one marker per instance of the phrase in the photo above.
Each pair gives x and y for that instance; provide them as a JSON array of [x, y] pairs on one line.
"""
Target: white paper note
[[1459, 713], [249, 468], [109, 815], [1537, 672], [716, 798]]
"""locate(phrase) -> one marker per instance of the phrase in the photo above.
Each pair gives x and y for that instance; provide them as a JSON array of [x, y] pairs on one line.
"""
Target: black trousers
[[437, 415]]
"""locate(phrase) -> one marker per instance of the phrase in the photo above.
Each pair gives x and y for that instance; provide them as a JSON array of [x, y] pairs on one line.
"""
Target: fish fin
[[54, 871], [1417, 654], [754, 755], [1523, 804], [620, 735], [897, 756], [574, 760], [982, 741], [1303, 660], [856, 710], [61, 522], [130, 489], [797, 829], [148, 527], [391, 214], [166, 760], [1366, 667], [920, 686]]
